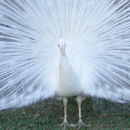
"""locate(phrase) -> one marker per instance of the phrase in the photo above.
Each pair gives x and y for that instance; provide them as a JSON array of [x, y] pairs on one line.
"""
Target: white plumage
[[97, 53], [68, 84]]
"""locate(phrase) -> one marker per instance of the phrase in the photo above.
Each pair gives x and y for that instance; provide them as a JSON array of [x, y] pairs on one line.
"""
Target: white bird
[[68, 84], [64, 48]]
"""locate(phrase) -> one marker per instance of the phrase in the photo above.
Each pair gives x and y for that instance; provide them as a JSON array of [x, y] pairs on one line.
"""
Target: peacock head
[[62, 46]]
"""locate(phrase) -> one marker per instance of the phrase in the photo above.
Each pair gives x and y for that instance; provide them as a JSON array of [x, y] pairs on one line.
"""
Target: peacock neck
[[64, 63], [69, 84]]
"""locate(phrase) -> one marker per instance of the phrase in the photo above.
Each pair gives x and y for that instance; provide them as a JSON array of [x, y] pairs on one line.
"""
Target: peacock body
[[64, 48], [68, 83]]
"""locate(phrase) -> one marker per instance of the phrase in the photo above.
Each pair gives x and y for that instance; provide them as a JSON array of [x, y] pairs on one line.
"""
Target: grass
[[100, 115]]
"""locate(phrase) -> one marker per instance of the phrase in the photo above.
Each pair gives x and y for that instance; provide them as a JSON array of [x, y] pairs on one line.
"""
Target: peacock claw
[[64, 124], [79, 124]]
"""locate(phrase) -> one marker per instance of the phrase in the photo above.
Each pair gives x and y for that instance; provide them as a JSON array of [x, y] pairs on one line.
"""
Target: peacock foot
[[64, 124], [79, 124]]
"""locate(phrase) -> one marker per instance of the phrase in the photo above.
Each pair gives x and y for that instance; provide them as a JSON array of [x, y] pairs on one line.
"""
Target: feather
[[97, 34]]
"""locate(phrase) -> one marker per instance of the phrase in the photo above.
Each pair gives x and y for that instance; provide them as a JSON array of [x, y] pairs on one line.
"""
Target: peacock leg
[[65, 122], [80, 122]]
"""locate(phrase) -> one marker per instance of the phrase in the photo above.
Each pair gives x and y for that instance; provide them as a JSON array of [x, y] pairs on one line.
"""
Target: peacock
[[64, 48]]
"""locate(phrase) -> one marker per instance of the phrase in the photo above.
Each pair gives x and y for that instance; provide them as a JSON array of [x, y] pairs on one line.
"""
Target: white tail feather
[[97, 34]]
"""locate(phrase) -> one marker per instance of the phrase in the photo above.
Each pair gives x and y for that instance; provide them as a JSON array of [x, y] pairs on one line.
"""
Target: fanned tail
[[97, 35]]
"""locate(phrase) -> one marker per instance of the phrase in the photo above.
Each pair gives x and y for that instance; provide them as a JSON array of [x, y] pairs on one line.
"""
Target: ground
[[99, 114]]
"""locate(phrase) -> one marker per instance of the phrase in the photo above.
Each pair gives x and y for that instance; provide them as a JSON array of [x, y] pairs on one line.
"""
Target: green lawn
[[100, 115]]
